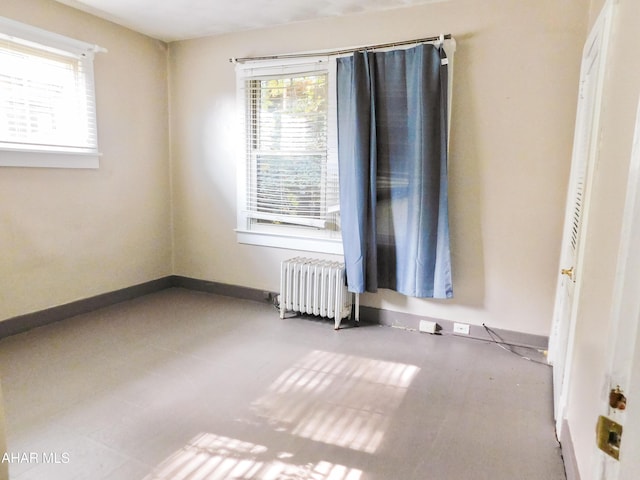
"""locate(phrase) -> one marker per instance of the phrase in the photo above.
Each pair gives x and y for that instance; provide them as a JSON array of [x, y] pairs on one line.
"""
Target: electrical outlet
[[461, 328], [428, 327]]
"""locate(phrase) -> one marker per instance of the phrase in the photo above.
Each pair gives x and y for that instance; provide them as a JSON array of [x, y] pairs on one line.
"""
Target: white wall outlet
[[427, 326], [461, 328]]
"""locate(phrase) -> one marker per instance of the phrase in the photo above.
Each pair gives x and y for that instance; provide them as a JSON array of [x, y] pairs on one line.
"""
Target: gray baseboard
[[217, 288], [374, 315], [26, 322], [478, 332], [568, 453], [22, 323]]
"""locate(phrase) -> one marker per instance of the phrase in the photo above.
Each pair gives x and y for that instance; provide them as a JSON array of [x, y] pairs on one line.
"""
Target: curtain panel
[[392, 149]]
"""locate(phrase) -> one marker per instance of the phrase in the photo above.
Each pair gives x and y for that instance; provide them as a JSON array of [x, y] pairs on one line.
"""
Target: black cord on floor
[[510, 348]]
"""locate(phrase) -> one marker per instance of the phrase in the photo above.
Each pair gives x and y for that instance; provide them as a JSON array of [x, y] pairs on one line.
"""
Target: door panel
[[584, 157]]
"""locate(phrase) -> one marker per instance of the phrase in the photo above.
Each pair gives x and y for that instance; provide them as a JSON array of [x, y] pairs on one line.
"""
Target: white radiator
[[315, 287]]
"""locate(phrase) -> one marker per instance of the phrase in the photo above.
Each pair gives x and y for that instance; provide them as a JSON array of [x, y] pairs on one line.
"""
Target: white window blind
[[290, 172], [47, 98]]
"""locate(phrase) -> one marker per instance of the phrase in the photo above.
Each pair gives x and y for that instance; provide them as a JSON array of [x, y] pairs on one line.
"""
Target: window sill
[[48, 159], [320, 245]]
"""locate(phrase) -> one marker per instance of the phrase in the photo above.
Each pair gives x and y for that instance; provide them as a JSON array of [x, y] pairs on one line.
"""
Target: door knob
[[568, 272]]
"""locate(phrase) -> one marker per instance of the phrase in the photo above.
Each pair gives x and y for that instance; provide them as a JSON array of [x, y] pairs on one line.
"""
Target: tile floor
[[187, 385]]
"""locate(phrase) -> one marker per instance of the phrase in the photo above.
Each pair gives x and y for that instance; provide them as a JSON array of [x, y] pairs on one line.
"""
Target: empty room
[[337, 240]]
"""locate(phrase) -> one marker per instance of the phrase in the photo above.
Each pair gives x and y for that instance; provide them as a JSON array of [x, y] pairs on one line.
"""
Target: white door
[[585, 150], [623, 372]]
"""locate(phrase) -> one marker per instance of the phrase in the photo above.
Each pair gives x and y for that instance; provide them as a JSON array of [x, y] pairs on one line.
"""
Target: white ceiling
[[170, 20]]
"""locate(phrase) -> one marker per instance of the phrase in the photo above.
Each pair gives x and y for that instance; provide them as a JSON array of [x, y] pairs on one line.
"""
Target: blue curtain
[[392, 147]]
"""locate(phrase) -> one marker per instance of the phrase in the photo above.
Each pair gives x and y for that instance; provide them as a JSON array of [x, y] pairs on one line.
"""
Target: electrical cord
[[495, 338]]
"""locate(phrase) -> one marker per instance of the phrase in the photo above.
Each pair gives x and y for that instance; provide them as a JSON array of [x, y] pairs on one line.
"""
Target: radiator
[[315, 287]]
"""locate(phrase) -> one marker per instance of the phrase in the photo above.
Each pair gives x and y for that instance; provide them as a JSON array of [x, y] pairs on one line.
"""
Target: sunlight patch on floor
[[342, 400], [214, 457]]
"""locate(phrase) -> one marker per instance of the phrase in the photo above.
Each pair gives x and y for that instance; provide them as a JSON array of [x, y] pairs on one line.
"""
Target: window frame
[[14, 154], [283, 236]]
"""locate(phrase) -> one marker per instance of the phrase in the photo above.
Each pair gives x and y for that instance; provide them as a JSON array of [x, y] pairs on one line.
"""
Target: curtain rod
[[342, 52]]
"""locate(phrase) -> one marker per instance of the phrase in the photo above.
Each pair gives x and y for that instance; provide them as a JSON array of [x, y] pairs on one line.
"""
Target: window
[[47, 100], [288, 181]]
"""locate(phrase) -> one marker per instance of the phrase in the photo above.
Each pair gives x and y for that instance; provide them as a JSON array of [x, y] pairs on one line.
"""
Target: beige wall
[[587, 399], [515, 89], [4, 466], [71, 234]]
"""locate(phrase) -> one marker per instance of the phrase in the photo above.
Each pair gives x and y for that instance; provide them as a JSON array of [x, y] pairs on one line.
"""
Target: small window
[[47, 100], [288, 193]]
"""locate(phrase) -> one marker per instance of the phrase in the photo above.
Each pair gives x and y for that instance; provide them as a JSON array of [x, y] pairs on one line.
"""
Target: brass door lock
[[609, 436]]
